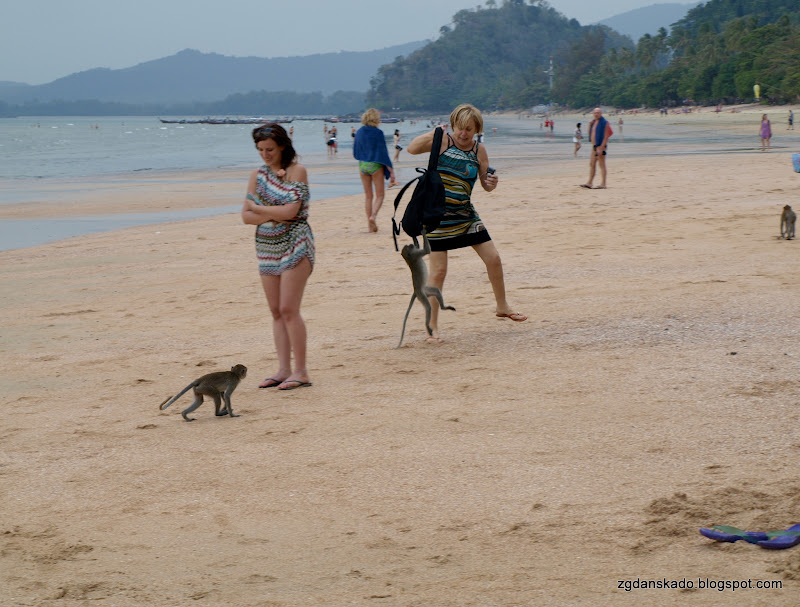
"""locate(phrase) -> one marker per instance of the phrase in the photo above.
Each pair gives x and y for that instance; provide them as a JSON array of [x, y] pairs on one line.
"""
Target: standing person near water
[[599, 132], [577, 137], [462, 161], [277, 202], [374, 165], [766, 132], [397, 147]]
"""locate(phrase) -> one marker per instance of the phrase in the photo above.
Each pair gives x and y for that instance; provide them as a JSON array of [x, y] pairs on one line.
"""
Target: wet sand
[[652, 391]]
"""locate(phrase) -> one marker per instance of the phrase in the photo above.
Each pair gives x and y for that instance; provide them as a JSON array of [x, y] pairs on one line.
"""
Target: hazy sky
[[41, 40]]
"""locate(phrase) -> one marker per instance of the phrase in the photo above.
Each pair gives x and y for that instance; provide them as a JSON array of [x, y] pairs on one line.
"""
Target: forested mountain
[[717, 13], [648, 19], [492, 57], [254, 103], [714, 54], [192, 76]]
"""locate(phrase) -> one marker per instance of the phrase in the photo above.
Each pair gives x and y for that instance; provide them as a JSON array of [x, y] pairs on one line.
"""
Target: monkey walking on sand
[[788, 219], [414, 255], [219, 386]]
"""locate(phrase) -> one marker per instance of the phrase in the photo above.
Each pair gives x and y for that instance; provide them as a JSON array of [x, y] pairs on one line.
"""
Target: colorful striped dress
[[461, 226], [281, 246]]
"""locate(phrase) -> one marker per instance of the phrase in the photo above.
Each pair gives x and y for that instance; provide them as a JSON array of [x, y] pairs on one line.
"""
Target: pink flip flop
[[515, 316]]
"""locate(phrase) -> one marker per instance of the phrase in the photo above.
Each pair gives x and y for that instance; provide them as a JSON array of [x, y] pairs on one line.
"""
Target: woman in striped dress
[[277, 202], [462, 162]]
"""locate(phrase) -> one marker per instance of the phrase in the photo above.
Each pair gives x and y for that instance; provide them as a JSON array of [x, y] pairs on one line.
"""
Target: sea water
[[40, 155], [68, 147]]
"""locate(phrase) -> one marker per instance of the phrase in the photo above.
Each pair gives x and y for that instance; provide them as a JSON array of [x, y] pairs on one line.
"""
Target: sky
[[42, 40]]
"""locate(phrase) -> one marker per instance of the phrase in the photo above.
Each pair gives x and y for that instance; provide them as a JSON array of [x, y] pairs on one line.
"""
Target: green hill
[[717, 53], [492, 57]]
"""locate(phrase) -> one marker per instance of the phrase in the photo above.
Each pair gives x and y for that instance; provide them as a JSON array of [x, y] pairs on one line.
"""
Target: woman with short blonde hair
[[462, 162], [371, 117]]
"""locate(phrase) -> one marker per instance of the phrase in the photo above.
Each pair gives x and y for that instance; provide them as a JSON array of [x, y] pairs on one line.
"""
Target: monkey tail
[[403, 331], [172, 399]]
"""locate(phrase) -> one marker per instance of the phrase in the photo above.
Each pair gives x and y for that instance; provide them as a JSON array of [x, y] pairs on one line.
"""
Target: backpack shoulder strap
[[436, 147]]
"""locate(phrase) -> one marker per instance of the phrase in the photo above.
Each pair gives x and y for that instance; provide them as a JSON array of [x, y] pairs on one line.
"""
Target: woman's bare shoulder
[[297, 172]]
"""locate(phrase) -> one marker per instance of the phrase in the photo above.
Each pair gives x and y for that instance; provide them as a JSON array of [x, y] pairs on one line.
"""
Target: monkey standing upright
[[219, 386], [788, 219], [413, 255]]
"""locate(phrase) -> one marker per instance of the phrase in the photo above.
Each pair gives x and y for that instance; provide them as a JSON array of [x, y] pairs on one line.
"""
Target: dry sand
[[652, 391]]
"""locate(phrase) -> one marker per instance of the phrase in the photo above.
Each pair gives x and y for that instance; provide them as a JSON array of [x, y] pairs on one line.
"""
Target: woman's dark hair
[[579, 125], [278, 134]]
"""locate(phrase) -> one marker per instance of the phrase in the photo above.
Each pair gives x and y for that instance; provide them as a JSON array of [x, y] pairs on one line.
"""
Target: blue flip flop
[[775, 540], [723, 533], [778, 540]]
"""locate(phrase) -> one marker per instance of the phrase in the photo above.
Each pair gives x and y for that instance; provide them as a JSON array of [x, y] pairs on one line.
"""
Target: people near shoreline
[[374, 164], [462, 161], [620, 122], [331, 142], [277, 202], [791, 121], [577, 137], [599, 132], [765, 132], [397, 147]]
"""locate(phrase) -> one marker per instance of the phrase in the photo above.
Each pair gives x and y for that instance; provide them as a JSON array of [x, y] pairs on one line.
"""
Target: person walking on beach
[[462, 161], [374, 165], [791, 121], [277, 202], [766, 132], [599, 132], [576, 138], [397, 147]]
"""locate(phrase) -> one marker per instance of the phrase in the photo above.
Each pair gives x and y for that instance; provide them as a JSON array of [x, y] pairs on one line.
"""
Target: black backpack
[[426, 207]]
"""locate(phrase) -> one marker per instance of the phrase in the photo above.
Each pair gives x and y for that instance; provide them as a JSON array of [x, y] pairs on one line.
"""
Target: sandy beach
[[653, 391]]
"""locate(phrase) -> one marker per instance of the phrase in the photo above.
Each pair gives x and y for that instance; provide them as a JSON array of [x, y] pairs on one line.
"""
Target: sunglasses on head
[[264, 131]]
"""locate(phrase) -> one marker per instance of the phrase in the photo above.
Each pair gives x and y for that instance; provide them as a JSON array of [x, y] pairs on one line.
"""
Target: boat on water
[[348, 119], [226, 121]]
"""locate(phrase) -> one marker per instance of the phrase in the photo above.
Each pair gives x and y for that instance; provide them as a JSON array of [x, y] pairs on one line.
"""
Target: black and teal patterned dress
[[461, 226]]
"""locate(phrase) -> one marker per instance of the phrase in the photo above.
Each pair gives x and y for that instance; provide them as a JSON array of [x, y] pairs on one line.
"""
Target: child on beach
[[462, 161], [576, 138], [766, 132]]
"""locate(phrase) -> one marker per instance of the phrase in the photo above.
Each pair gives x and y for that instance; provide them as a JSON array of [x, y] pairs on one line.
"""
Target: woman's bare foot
[[373, 226]]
